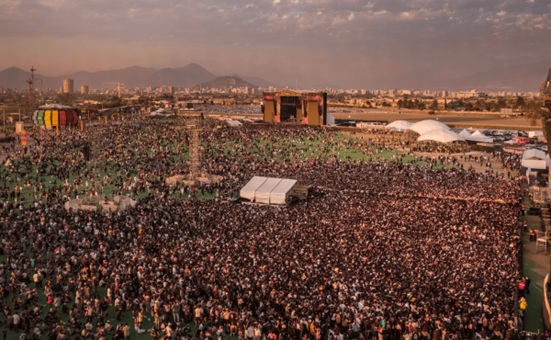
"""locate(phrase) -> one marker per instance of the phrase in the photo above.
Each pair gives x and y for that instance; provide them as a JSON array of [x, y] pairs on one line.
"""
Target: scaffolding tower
[[195, 153], [31, 89]]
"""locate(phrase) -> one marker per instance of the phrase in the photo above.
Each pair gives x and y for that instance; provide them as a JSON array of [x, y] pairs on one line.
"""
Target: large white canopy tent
[[441, 136], [267, 190], [249, 190], [279, 193], [399, 125], [464, 133], [427, 125], [478, 136], [262, 194], [535, 159]]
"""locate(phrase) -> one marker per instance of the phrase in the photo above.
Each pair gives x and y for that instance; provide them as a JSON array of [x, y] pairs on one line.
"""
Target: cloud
[[378, 36]]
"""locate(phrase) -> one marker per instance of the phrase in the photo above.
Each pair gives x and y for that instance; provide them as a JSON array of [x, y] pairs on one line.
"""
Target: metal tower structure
[[195, 153], [31, 88]]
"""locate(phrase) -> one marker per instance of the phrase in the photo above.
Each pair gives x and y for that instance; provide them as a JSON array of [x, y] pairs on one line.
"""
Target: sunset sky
[[350, 43]]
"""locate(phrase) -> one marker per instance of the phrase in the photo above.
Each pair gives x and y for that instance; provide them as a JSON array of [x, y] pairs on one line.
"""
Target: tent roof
[[534, 154], [55, 106], [268, 190], [464, 133], [427, 125], [535, 159], [477, 133], [278, 195], [480, 138], [399, 125], [439, 135], [249, 190]]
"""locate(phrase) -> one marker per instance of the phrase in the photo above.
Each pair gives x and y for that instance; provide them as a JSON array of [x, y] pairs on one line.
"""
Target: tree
[[534, 110], [501, 103], [434, 105], [400, 104], [519, 103], [481, 105]]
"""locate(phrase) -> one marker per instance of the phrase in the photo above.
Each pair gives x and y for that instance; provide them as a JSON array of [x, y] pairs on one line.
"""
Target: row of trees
[[494, 105]]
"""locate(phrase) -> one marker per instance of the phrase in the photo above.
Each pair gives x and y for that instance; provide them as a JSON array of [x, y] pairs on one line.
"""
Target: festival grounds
[[353, 178]]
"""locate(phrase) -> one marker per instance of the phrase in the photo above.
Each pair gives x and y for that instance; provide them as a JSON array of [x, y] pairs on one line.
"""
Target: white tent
[[441, 136], [279, 194], [535, 159], [233, 123], [477, 133], [464, 133], [427, 125], [399, 125], [480, 138], [249, 190], [262, 194], [267, 190]]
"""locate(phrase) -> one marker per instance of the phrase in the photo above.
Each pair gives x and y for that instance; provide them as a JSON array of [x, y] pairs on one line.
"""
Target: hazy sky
[[350, 43]]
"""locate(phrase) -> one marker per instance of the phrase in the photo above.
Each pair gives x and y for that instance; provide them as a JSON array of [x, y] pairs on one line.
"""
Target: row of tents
[[57, 115], [267, 190], [432, 130]]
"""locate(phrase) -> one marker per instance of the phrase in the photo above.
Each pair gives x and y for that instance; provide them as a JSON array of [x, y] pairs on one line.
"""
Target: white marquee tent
[[441, 136], [267, 190], [535, 159], [464, 133], [399, 125], [249, 190], [279, 194], [427, 125], [478, 136]]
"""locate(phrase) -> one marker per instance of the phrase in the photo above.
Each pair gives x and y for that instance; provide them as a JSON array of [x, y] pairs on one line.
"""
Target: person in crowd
[[396, 248]]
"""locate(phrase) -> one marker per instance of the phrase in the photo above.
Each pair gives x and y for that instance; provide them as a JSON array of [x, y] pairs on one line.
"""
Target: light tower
[[31, 88], [195, 128]]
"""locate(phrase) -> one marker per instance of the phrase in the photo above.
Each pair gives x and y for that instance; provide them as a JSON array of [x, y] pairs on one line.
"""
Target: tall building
[[68, 86], [84, 89]]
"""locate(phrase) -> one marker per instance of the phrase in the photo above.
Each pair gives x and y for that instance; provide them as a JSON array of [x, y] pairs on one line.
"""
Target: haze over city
[[303, 43]]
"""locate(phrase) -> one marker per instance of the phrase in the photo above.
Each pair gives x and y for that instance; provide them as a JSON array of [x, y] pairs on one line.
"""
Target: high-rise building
[[84, 89], [68, 86]]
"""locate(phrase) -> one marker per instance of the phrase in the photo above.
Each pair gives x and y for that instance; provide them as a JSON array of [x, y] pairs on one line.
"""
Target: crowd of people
[[382, 248]]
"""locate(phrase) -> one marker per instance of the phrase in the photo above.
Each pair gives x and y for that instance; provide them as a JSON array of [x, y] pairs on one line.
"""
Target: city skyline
[[346, 44]]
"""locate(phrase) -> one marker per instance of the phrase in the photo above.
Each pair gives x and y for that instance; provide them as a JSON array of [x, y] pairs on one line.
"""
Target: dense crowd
[[382, 249]]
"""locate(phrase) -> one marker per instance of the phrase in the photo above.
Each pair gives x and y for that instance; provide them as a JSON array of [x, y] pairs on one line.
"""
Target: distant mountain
[[130, 77], [187, 76], [14, 77], [134, 76], [226, 82], [260, 82]]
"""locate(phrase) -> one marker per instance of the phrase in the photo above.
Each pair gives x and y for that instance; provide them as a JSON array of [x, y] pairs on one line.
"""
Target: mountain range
[[189, 76], [525, 77]]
